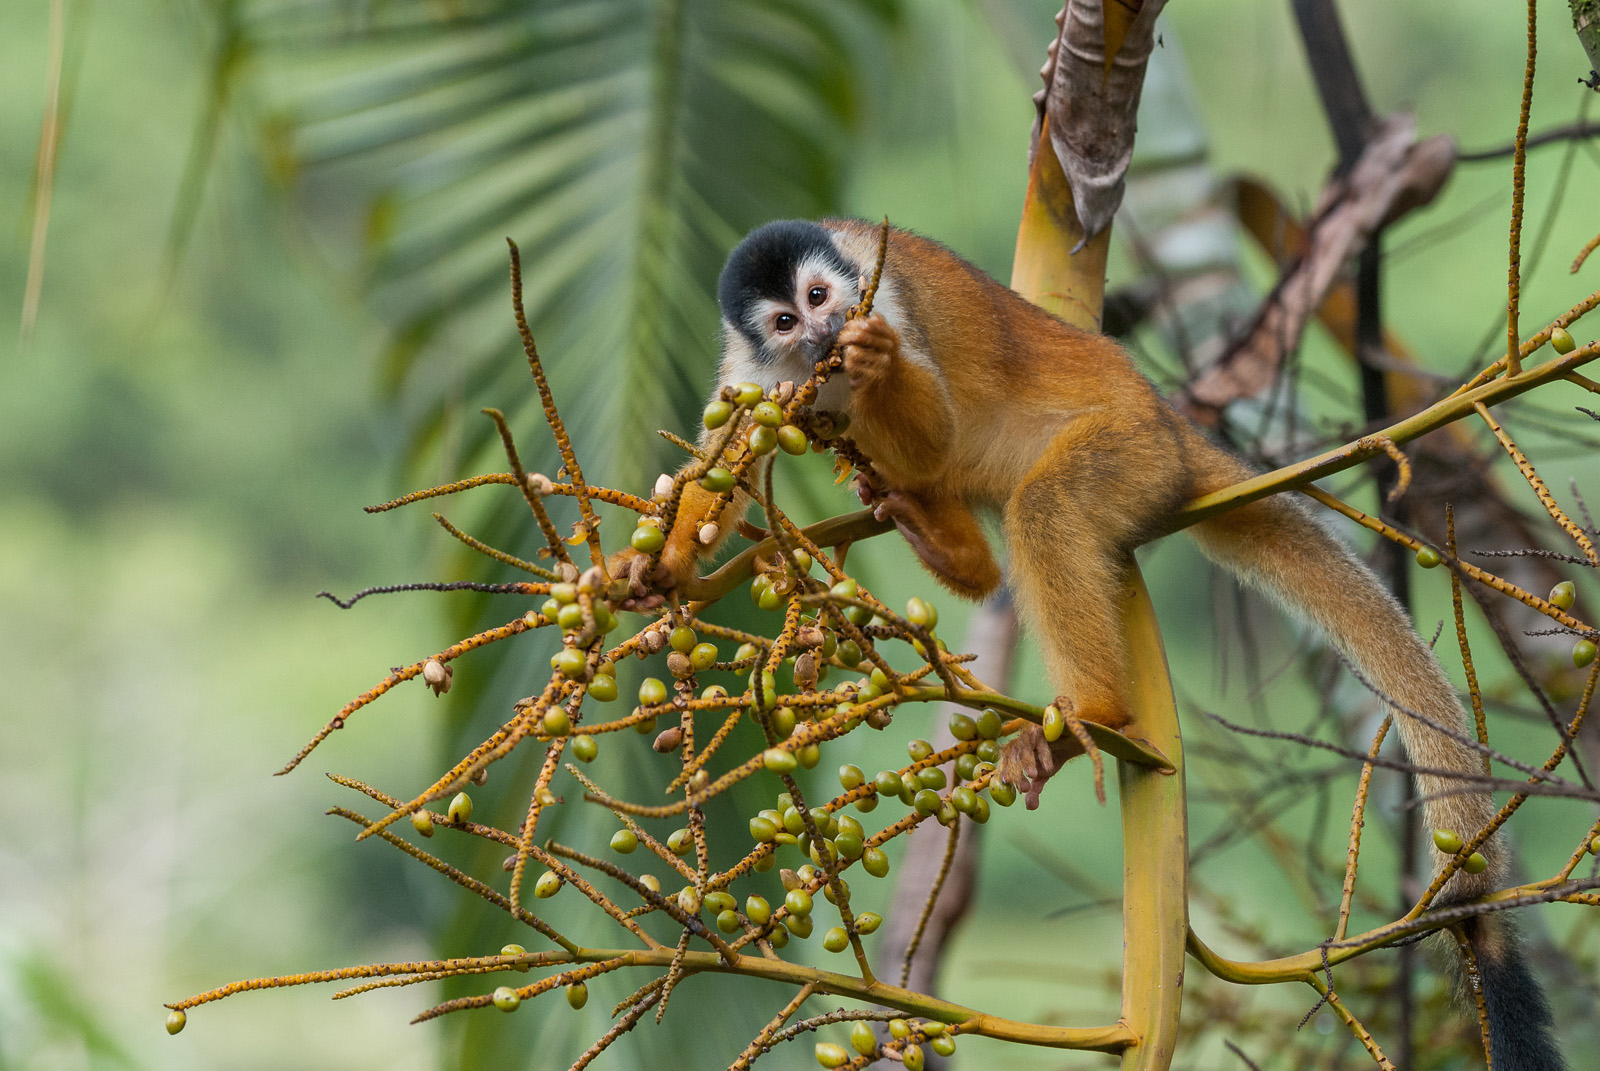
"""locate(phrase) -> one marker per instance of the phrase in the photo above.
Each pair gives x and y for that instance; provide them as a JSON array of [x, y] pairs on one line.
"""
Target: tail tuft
[[1521, 1027]]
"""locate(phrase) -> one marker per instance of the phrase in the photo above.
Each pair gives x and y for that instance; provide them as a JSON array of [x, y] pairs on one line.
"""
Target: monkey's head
[[784, 293]]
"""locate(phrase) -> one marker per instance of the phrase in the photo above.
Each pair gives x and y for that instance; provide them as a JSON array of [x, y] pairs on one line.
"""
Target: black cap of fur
[[763, 266]]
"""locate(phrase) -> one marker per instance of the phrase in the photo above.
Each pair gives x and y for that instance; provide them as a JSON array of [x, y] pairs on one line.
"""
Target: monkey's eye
[[817, 296], [785, 321]]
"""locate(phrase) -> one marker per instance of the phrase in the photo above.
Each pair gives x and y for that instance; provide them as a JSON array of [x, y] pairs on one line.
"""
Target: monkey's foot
[[870, 348], [1028, 760]]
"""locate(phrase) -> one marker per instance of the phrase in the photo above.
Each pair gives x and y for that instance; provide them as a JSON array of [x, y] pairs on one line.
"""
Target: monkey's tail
[[1276, 545]]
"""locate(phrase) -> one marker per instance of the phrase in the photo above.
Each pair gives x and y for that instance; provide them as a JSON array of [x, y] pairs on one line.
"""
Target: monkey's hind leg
[[1070, 525], [946, 536]]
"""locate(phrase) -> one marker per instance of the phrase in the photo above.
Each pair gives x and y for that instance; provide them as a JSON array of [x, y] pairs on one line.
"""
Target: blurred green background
[[187, 440]]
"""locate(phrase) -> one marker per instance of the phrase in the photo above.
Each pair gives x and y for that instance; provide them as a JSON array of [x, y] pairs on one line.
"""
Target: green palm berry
[[849, 654], [868, 922], [794, 821], [1583, 653], [980, 811], [548, 885], [513, 950], [1054, 723], [849, 845], [867, 804], [909, 787], [926, 801], [946, 815], [899, 1029], [921, 613], [887, 782], [680, 842], [963, 727], [944, 1045], [845, 589], [422, 822], [505, 998], [798, 902], [799, 925], [645, 727], [843, 823], [964, 799], [763, 440], [572, 663], [603, 689], [862, 1039], [763, 829], [703, 656], [778, 937], [689, 901], [1002, 793], [728, 921], [648, 539], [836, 939], [557, 722], [783, 722], [778, 760], [720, 901], [564, 594], [551, 610], [624, 841], [1447, 841], [682, 639], [1428, 557], [858, 615], [990, 724], [651, 882], [868, 690], [767, 414], [584, 748], [809, 756], [988, 751], [932, 1029], [716, 414], [931, 777], [1561, 339], [460, 808], [791, 440], [1563, 595], [1475, 864], [966, 766], [757, 910], [176, 1019], [759, 587], [831, 1055], [1594, 846], [919, 750], [769, 600], [577, 995], [747, 393], [912, 1057], [717, 480], [652, 691], [851, 777]]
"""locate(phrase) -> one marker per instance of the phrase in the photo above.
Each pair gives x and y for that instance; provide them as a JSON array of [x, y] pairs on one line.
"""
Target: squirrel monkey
[[968, 397]]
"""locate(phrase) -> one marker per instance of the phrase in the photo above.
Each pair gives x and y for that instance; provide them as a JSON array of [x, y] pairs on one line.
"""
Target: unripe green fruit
[[624, 841], [1428, 557], [926, 801], [1447, 841], [716, 414], [551, 610], [557, 722], [1563, 595], [851, 777], [1003, 794], [682, 639], [899, 1029], [809, 756], [1583, 653], [964, 799], [849, 845], [799, 925], [572, 663], [703, 656], [422, 822], [747, 393], [728, 921], [584, 748], [680, 842], [791, 440], [836, 939], [720, 901], [798, 902], [1560, 338], [989, 725], [513, 950], [849, 654], [980, 811], [460, 808], [1054, 723], [966, 766], [1475, 864], [767, 414], [564, 594], [1594, 846], [931, 777], [919, 750], [831, 1055], [577, 995], [176, 1019], [783, 723], [652, 691], [988, 751], [548, 885], [944, 1045], [648, 539], [763, 829], [769, 599], [645, 727], [845, 589], [868, 922], [867, 804], [862, 1039], [963, 727], [603, 689], [921, 613], [763, 441], [757, 910], [505, 998], [689, 901], [778, 760], [651, 882], [718, 480], [794, 821], [912, 1057], [887, 782]]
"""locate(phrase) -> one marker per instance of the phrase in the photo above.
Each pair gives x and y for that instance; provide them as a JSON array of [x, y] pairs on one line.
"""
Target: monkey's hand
[[870, 348]]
